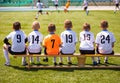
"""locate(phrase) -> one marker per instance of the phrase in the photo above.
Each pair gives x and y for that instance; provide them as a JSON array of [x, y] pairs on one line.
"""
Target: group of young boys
[[54, 44]]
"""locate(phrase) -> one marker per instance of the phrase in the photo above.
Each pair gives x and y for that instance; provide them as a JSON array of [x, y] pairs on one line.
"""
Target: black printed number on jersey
[[35, 39], [86, 36], [105, 39], [69, 38], [53, 41], [18, 38]]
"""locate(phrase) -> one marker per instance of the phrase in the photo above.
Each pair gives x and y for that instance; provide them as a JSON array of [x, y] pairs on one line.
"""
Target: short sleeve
[[9, 36], [97, 41]]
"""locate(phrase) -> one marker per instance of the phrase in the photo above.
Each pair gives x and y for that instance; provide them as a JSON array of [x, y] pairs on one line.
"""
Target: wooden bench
[[80, 58]]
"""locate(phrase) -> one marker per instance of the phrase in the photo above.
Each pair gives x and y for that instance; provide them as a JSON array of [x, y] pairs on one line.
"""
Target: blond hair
[[35, 25]]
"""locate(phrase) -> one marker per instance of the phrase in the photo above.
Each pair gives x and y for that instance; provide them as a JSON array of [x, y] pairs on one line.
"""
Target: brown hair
[[68, 24], [51, 27], [86, 26], [16, 25], [104, 24]]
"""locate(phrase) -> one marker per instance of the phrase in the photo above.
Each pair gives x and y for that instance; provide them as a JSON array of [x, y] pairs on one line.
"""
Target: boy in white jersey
[[39, 5], [35, 39], [56, 4], [18, 39], [105, 41], [69, 39], [87, 41], [85, 4], [116, 5]]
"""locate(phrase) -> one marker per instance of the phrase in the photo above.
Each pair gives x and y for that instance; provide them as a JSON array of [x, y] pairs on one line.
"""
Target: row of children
[[55, 45]]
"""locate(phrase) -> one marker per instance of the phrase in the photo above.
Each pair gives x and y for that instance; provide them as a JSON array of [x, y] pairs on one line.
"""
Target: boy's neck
[[35, 30], [52, 33], [68, 28], [86, 30], [105, 30]]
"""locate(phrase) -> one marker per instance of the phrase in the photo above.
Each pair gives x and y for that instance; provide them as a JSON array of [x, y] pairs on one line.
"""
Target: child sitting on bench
[[87, 41], [52, 42], [104, 41], [18, 39], [35, 40]]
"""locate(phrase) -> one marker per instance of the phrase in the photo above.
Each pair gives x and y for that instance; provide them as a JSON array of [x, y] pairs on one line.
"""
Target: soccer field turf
[[15, 74]]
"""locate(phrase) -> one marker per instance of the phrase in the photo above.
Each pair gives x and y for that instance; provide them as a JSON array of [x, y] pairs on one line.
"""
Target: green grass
[[15, 74]]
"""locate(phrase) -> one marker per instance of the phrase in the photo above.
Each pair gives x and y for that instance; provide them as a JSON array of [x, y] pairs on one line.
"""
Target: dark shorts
[[16, 53], [87, 51], [66, 54], [85, 8], [100, 53], [56, 5], [35, 53], [117, 5], [40, 11]]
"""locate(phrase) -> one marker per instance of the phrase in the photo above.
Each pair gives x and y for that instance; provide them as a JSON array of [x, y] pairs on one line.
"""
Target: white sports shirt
[[104, 39], [35, 39], [85, 3], [86, 40], [39, 6], [18, 40], [116, 1], [56, 2], [68, 39]]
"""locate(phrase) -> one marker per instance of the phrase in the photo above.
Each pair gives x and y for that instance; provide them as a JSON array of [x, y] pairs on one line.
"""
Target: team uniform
[[69, 39], [117, 5], [86, 6], [18, 44], [104, 40], [86, 42], [39, 6], [56, 3], [35, 39], [52, 43]]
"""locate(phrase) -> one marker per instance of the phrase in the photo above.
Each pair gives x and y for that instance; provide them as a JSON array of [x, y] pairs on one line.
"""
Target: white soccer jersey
[[85, 3], [35, 39], [56, 2], [104, 39], [18, 40], [86, 40], [116, 1], [68, 39], [39, 5]]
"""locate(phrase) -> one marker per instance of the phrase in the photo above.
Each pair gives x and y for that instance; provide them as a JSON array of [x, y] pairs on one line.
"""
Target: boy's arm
[[6, 41], [26, 40], [112, 44]]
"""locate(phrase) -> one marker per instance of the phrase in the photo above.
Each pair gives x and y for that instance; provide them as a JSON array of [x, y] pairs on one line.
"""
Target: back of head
[[86, 27], [35, 25], [16, 26], [51, 27], [68, 24], [104, 24]]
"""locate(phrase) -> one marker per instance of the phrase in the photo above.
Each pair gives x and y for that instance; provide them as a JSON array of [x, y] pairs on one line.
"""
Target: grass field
[[15, 74]]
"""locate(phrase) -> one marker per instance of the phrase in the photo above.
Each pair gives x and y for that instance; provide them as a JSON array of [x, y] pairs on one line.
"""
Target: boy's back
[[68, 39], [34, 39], [105, 40], [87, 40], [52, 43], [18, 40]]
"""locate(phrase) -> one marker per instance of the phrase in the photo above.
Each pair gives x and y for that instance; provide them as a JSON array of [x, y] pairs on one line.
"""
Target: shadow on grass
[[22, 68]]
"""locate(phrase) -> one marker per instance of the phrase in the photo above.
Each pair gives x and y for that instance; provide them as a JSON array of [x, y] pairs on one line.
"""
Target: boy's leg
[[46, 58], [24, 63], [5, 51], [69, 61], [38, 59], [31, 60], [37, 15], [54, 61]]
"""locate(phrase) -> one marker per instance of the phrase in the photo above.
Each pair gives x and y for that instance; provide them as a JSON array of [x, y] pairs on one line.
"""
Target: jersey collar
[[68, 29], [35, 30], [104, 30], [52, 33]]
